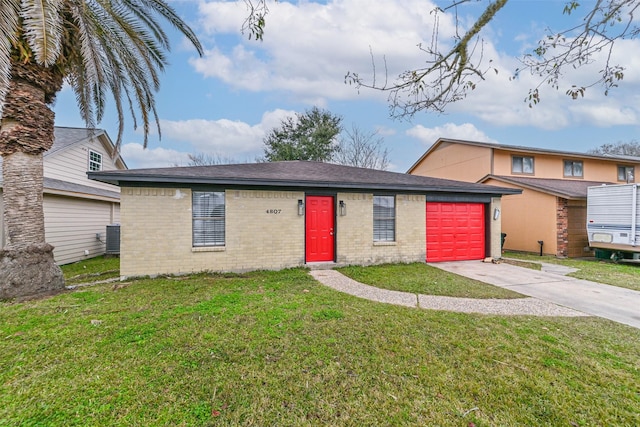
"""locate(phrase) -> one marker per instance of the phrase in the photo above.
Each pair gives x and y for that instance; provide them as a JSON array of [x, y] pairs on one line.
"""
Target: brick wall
[[263, 231], [562, 227], [156, 232], [355, 243], [578, 245]]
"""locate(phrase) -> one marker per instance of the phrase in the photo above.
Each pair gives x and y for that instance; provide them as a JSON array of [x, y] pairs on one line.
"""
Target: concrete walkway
[[611, 302], [520, 306]]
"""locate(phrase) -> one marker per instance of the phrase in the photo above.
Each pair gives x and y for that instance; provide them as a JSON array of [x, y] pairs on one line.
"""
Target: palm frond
[[167, 12], [42, 22], [8, 37], [101, 47]]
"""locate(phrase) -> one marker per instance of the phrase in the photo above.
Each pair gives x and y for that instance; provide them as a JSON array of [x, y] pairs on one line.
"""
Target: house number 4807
[[274, 211]]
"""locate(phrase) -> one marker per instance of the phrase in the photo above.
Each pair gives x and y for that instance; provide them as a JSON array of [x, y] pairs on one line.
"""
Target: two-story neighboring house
[[551, 211], [76, 209]]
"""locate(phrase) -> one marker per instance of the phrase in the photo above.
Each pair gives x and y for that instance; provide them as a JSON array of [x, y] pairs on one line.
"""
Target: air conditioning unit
[[113, 239]]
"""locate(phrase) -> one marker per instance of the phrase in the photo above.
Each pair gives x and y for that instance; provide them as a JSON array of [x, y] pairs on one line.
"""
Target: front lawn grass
[[420, 278], [91, 270], [278, 348], [595, 270]]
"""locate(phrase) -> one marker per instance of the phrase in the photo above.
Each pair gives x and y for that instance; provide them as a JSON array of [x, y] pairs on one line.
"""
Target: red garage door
[[455, 231]]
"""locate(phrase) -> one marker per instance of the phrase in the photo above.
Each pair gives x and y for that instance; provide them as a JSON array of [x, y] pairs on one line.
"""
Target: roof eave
[[534, 188], [159, 179]]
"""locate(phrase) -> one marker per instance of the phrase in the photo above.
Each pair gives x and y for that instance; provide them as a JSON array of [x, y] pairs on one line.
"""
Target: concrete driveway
[[618, 304]]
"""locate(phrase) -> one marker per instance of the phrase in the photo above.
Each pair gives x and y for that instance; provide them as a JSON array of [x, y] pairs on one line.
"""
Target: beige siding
[[527, 218], [355, 243], [456, 161], [495, 224], [71, 226], [72, 163], [552, 166]]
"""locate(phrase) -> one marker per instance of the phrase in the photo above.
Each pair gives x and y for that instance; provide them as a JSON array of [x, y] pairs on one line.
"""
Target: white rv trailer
[[613, 219]]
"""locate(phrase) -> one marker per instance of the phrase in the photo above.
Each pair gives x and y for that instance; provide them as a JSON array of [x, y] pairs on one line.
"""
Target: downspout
[[634, 212]]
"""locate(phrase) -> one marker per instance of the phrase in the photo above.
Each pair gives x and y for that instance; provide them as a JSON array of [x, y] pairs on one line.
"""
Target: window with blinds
[[208, 218], [384, 218]]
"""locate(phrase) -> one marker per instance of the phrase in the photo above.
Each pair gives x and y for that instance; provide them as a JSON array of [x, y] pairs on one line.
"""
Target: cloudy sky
[[224, 103]]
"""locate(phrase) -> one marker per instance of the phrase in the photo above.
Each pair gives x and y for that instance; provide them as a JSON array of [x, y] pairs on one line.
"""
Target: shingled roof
[[295, 174], [565, 188], [56, 185], [64, 137]]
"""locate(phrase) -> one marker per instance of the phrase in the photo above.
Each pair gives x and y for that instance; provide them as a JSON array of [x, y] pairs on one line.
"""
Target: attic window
[[95, 161], [522, 164]]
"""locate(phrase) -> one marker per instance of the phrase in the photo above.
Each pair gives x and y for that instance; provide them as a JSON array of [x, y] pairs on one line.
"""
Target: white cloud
[[465, 131], [136, 156], [214, 136], [227, 139], [385, 131], [224, 137], [309, 46], [606, 115]]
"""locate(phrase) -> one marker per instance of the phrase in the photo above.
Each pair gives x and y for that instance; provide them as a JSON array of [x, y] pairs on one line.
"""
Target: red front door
[[319, 224]]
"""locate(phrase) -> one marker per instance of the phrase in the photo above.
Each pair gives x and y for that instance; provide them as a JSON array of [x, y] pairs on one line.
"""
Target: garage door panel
[[455, 231]]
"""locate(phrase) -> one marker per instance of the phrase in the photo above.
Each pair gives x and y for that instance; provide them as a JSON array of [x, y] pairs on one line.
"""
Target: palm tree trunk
[[27, 266]]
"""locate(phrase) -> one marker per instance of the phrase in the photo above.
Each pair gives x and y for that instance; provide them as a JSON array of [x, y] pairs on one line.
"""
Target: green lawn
[[596, 270], [420, 278], [91, 270], [277, 348]]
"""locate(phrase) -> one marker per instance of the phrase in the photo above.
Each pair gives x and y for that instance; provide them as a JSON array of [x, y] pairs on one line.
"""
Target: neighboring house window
[[522, 164], [95, 161], [384, 218], [626, 174], [208, 218], [573, 168]]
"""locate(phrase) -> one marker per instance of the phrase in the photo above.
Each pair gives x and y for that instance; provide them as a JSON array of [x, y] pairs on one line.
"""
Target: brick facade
[[355, 243], [263, 231], [562, 227]]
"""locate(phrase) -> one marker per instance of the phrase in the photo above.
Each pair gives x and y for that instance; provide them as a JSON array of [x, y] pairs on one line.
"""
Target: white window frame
[[384, 218], [208, 219], [95, 160]]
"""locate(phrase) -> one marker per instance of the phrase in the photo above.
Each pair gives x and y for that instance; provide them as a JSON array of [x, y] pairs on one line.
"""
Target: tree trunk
[[27, 266]]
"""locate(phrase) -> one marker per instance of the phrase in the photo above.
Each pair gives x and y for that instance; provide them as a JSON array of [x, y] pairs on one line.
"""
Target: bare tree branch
[[450, 74], [365, 150]]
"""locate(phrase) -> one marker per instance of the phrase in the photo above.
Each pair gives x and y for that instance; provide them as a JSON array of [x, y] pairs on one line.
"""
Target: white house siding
[[71, 225], [71, 164]]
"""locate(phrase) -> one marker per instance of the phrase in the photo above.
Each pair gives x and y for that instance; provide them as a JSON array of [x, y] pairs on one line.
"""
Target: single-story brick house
[[283, 214]]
